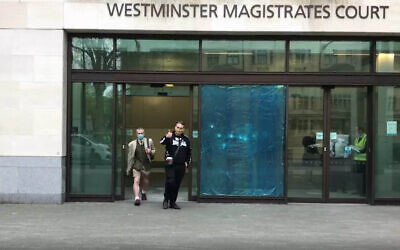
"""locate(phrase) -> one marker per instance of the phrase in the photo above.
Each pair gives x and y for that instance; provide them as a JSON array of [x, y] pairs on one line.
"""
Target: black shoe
[[144, 197], [165, 204], [137, 202], [174, 206]]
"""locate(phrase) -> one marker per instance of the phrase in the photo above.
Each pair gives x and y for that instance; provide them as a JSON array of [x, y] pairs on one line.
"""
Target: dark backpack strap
[[179, 145]]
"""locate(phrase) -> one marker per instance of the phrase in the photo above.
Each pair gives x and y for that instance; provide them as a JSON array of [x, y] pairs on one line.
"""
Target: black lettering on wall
[[279, 10], [160, 12], [228, 13], [300, 12], [213, 10], [327, 11], [145, 5], [339, 12], [255, 11], [244, 12], [288, 11], [351, 12], [194, 7], [203, 10], [115, 8], [136, 9], [177, 11], [185, 11], [374, 11], [270, 11], [384, 8]]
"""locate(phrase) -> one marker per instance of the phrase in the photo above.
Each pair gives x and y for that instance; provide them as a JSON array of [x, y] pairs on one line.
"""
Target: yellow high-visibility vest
[[360, 142]]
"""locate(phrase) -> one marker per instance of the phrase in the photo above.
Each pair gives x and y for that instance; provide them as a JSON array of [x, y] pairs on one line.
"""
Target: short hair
[[181, 122], [140, 129]]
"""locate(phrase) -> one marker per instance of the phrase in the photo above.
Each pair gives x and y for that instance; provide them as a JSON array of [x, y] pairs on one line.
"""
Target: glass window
[[305, 137], [91, 134], [329, 56], [388, 57], [242, 133], [92, 53], [387, 141], [158, 55], [243, 56]]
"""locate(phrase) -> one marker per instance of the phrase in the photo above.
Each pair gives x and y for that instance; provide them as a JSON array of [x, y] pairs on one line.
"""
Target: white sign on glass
[[391, 128]]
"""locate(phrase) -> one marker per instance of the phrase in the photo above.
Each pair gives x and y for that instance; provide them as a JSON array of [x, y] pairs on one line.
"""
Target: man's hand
[[186, 165], [148, 150], [169, 134]]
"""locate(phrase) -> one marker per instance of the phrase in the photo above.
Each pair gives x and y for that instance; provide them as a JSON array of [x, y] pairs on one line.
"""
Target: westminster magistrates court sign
[[236, 16]]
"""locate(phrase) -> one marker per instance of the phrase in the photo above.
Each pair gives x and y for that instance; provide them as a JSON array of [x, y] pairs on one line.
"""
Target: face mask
[[140, 137]]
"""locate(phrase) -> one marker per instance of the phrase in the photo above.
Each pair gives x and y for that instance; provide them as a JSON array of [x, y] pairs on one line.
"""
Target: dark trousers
[[359, 170], [173, 178]]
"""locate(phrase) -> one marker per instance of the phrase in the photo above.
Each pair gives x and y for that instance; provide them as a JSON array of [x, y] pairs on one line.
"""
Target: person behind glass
[[141, 152], [360, 158], [177, 148]]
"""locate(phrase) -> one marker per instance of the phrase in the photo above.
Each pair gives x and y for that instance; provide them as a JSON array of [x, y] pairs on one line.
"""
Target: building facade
[[284, 101]]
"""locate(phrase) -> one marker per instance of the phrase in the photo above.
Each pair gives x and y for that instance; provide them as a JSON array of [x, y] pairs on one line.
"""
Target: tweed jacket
[[132, 149]]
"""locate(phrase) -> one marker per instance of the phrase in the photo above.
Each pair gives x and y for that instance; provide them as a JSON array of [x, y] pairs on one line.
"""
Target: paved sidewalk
[[121, 225]]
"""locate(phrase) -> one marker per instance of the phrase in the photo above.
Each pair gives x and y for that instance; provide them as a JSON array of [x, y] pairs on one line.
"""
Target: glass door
[[348, 142], [304, 142], [327, 143], [155, 108]]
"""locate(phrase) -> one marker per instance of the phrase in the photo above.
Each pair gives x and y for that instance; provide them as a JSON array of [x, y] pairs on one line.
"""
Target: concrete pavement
[[121, 225]]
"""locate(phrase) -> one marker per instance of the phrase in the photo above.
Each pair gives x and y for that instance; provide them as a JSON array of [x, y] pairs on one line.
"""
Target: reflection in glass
[[387, 139], [158, 55], [388, 57], [304, 157], [91, 134], [243, 56], [329, 56], [92, 53], [348, 141], [242, 133]]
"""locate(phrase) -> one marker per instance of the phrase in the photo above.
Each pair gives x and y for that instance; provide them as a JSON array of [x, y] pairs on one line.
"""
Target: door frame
[[326, 115], [124, 148]]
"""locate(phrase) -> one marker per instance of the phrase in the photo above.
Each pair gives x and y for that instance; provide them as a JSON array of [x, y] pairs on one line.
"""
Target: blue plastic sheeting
[[242, 136]]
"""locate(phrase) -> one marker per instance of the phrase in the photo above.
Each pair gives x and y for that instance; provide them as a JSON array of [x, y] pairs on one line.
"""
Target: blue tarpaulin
[[242, 138]]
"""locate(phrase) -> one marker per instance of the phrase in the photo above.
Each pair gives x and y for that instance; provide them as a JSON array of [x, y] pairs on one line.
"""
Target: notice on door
[[391, 128]]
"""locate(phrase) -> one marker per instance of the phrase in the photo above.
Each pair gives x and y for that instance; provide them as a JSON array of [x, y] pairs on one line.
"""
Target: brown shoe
[[137, 202], [144, 197]]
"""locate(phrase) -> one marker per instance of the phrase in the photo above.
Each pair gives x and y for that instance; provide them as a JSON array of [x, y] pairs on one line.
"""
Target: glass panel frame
[[329, 56], [91, 166], [243, 56], [387, 143], [305, 132], [388, 56], [157, 55], [92, 53]]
